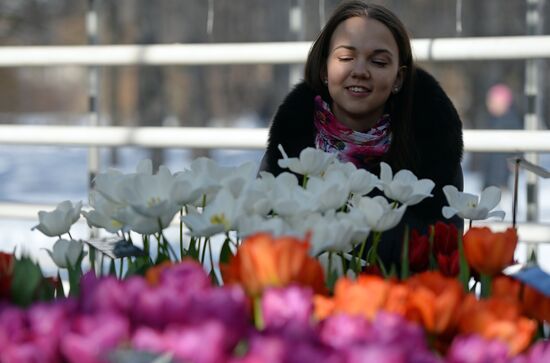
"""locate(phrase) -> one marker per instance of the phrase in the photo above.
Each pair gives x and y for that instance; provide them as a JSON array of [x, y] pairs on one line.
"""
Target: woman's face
[[362, 70]]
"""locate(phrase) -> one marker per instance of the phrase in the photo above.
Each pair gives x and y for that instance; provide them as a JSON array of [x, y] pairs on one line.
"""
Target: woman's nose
[[360, 70]]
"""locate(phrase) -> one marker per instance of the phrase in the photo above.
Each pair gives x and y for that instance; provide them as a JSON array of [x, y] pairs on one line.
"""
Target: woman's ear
[[399, 79]]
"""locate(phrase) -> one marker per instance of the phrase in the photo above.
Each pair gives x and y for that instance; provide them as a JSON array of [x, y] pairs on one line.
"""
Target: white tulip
[[329, 233], [237, 180], [357, 219], [404, 187], [249, 225], [60, 220], [380, 215], [185, 190], [289, 198], [311, 161], [65, 253], [103, 212], [199, 225], [219, 216], [470, 206], [336, 264], [149, 195], [207, 176], [362, 182], [108, 184], [257, 199], [330, 193]]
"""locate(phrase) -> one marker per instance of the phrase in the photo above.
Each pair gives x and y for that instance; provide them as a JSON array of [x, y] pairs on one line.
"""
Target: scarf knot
[[364, 149]]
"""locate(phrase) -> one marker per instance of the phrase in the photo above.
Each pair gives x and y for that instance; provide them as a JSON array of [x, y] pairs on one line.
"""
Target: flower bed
[[296, 283]]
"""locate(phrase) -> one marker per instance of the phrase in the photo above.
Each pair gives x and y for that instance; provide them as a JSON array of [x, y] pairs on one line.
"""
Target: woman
[[364, 99]]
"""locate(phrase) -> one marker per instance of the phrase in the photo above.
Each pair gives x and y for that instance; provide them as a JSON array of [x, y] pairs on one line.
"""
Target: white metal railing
[[231, 138], [437, 49], [441, 49]]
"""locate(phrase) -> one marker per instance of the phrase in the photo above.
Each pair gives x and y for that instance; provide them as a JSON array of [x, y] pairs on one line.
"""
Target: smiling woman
[[364, 100]]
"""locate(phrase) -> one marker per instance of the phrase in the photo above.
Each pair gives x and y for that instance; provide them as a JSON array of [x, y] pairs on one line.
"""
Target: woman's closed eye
[[345, 58], [380, 62]]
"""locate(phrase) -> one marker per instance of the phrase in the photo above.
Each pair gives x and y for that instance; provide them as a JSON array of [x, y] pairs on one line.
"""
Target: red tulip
[[419, 252], [445, 239], [7, 263], [449, 264]]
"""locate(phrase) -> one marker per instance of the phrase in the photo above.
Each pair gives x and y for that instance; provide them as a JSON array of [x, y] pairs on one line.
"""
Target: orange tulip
[[489, 252], [324, 306], [263, 261], [506, 288], [535, 304], [434, 301], [365, 297], [7, 263], [497, 319]]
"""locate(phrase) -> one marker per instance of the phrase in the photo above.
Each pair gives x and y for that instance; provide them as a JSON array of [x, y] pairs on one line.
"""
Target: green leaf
[[91, 256], [405, 273], [46, 290], [431, 238], [331, 280], [75, 273], [193, 250], [486, 281], [112, 267], [26, 278], [391, 273], [214, 278], [138, 266], [464, 273], [226, 252], [59, 291]]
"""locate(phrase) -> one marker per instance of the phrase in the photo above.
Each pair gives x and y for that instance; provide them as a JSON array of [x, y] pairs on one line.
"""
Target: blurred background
[[488, 94]]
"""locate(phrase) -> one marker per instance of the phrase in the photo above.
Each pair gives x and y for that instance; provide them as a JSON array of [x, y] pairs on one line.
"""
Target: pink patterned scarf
[[364, 149]]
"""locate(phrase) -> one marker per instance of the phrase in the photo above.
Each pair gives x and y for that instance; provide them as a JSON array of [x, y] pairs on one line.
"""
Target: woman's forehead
[[362, 34]]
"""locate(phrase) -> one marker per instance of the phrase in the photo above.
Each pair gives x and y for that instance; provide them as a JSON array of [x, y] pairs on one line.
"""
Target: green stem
[[203, 254], [486, 281], [146, 245], [211, 260], [431, 238], [405, 271], [258, 318], [358, 265], [372, 255], [102, 258], [305, 180], [91, 257], [343, 260], [329, 264], [181, 235], [464, 271]]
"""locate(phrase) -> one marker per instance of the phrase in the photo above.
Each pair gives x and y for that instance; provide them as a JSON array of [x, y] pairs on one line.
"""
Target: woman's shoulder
[[292, 126], [431, 105], [437, 130], [298, 101], [295, 113]]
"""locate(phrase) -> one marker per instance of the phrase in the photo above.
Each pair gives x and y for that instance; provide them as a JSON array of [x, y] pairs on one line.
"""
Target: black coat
[[437, 131]]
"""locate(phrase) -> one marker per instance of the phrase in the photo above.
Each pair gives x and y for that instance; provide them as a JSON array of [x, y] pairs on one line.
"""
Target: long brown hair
[[402, 153]]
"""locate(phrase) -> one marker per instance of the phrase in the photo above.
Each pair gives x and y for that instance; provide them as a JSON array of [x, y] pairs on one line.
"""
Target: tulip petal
[[386, 174], [490, 197], [497, 213], [448, 212]]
